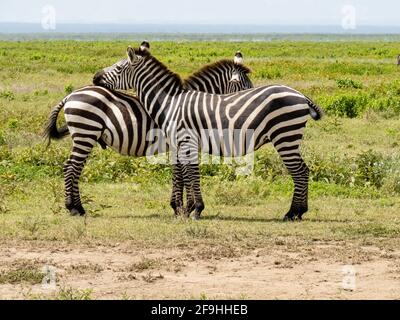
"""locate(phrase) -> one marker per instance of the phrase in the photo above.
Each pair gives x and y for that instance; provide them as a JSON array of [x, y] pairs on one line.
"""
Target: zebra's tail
[[316, 111], [51, 131]]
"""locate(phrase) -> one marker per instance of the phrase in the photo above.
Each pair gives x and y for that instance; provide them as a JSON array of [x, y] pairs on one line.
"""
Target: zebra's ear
[[145, 46], [131, 54], [238, 59]]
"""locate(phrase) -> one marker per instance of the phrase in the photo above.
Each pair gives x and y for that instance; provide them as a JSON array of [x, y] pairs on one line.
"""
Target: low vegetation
[[353, 153]]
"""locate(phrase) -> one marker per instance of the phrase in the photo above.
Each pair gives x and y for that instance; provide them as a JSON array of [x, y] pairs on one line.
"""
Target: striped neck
[[156, 85], [215, 77]]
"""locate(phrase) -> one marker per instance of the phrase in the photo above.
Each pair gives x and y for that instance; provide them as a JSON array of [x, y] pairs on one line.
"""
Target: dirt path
[[277, 272]]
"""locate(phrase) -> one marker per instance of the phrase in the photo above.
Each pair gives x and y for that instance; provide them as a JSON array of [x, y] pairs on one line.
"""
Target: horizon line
[[205, 24]]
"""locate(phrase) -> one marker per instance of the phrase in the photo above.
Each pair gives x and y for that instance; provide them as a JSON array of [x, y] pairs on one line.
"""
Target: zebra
[[398, 60], [119, 121], [274, 113]]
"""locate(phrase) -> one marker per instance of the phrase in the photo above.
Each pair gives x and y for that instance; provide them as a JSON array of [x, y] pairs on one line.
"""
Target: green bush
[[268, 164], [371, 169], [69, 88], [12, 123], [348, 83], [2, 138], [331, 170], [7, 94], [268, 73], [391, 183], [348, 105]]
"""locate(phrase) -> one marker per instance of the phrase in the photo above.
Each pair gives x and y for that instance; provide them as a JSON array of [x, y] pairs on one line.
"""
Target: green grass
[[22, 272], [127, 212], [353, 153], [65, 293], [73, 294], [21, 276]]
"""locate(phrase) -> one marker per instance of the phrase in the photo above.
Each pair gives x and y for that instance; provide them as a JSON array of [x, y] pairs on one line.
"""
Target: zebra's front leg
[[189, 201], [177, 190], [178, 187], [300, 173], [191, 173]]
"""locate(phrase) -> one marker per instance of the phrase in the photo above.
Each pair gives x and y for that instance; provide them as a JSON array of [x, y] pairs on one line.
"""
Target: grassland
[[353, 155]]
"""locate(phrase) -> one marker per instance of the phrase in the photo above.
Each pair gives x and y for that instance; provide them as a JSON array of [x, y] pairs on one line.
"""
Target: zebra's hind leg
[[177, 190], [299, 172], [69, 185], [81, 148], [191, 173], [77, 199]]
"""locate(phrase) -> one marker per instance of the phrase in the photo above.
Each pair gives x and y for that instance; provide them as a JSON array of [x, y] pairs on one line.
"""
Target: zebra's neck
[[215, 77], [156, 86]]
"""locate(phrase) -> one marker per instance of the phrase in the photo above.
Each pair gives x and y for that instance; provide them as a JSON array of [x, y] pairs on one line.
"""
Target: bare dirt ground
[[280, 271]]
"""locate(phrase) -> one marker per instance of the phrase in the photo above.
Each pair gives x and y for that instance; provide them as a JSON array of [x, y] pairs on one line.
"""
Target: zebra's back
[[236, 123], [116, 118]]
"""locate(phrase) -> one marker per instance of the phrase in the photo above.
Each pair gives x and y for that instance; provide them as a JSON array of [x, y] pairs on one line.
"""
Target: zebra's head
[[120, 75]]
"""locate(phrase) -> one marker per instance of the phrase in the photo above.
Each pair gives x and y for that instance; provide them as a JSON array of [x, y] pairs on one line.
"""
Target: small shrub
[[3, 193], [270, 73], [391, 185], [32, 224], [21, 275], [74, 294], [149, 278], [232, 195], [348, 83], [37, 56], [144, 264], [370, 169], [330, 170], [41, 92], [268, 165], [347, 105], [198, 232], [2, 139], [57, 206], [69, 88], [7, 94], [12, 123]]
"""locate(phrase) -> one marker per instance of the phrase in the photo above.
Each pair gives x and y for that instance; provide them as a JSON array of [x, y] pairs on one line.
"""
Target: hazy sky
[[292, 12]]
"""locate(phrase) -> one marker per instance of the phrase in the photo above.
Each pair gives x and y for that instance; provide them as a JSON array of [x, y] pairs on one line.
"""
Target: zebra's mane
[[217, 65], [147, 56]]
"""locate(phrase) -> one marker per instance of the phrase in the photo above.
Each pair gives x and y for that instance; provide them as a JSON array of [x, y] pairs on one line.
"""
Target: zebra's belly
[[221, 143]]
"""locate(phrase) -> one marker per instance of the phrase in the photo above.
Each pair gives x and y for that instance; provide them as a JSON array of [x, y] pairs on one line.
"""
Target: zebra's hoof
[[74, 212], [196, 217], [190, 208], [78, 211], [295, 213], [81, 210], [288, 218]]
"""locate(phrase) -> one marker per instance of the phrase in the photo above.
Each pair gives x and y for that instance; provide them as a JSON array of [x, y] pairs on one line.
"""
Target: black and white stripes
[[276, 114], [96, 114]]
